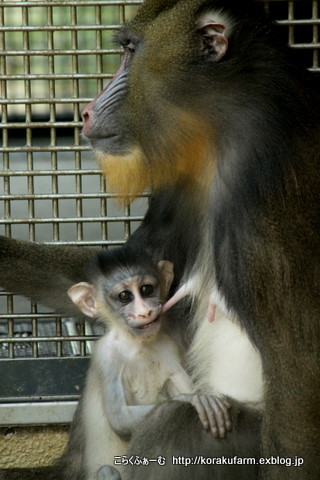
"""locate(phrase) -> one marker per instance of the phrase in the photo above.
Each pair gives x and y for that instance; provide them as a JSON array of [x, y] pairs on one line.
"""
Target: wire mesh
[[55, 57]]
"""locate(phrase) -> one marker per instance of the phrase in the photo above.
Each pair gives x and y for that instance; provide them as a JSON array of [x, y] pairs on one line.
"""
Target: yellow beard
[[185, 155], [126, 174]]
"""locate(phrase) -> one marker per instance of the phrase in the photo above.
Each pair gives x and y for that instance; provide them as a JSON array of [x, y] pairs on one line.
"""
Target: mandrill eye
[[131, 47], [147, 290], [128, 45], [125, 296]]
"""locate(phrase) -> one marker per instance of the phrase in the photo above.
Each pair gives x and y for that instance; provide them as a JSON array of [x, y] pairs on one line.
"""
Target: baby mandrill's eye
[[125, 296], [147, 290]]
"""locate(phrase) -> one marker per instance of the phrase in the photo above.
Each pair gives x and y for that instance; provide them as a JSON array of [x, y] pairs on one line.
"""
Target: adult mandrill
[[209, 102], [212, 110]]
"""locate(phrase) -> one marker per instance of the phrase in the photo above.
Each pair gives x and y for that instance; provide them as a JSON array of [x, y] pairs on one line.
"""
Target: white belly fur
[[224, 361]]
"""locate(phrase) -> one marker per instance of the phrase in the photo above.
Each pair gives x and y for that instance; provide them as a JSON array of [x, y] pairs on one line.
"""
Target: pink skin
[[183, 292], [211, 311]]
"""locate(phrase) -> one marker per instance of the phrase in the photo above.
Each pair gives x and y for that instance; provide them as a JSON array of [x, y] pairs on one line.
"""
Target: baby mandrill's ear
[[165, 269], [82, 295]]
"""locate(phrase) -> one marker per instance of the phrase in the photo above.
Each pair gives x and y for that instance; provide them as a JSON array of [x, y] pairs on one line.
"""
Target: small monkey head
[[125, 290]]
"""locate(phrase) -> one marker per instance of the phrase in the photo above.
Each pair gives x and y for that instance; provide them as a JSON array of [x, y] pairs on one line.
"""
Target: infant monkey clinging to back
[[135, 364]]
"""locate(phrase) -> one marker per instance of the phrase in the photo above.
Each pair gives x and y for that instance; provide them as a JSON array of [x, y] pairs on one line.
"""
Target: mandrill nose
[[85, 115], [145, 314], [87, 118]]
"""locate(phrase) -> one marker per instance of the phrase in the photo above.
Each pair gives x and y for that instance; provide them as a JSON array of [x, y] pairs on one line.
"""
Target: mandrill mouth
[[146, 326]]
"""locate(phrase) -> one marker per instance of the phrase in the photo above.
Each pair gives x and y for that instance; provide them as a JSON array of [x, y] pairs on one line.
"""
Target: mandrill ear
[[83, 296], [165, 269], [213, 37]]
